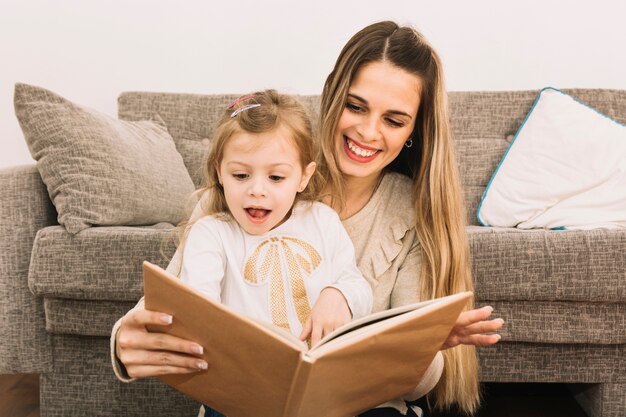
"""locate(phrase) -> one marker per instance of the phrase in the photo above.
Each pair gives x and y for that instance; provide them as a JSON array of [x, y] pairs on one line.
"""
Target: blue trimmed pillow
[[565, 169]]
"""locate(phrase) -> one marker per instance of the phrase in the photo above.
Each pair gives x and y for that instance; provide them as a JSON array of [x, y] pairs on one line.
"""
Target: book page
[[375, 363], [371, 319]]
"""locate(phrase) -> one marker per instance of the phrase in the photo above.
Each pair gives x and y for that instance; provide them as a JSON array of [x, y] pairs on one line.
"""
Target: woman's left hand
[[473, 328], [329, 312]]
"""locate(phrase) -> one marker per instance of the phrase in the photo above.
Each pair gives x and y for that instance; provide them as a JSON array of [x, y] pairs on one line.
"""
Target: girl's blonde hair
[[260, 112], [430, 162]]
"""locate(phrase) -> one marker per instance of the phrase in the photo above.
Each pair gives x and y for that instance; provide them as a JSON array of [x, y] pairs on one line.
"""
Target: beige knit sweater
[[387, 253]]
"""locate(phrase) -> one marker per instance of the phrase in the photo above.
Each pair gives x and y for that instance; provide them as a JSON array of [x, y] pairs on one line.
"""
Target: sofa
[[561, 293]]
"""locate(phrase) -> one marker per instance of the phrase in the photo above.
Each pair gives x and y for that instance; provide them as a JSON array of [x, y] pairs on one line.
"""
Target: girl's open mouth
[[257, 215], [358, 153]]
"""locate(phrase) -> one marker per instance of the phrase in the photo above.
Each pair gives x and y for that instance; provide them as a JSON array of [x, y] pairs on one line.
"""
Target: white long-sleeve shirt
[[277, 276]]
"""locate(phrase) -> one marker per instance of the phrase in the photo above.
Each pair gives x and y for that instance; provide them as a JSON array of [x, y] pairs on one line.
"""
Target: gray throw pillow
[[100, 170]]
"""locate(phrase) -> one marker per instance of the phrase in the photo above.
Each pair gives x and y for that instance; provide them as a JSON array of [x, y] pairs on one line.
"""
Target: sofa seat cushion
[[532, 362], [104, 263], [561, 322], [99, 263], [83, 317], [532, 322], [548, 265]]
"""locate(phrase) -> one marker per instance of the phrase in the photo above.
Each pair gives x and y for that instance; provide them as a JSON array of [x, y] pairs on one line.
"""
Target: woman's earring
[[409, 143]]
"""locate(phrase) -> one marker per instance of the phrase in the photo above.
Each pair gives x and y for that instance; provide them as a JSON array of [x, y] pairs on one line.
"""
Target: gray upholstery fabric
[[561, 322], [99, 170], [83, 317], [190, 119], [602, 400], [24, 209], [544, 362], [99, 263], [80, 395], [88, 387], [546, 322], [586, 266]]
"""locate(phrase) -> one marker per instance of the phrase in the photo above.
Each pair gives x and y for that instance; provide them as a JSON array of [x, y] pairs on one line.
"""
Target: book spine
[[298, 386]]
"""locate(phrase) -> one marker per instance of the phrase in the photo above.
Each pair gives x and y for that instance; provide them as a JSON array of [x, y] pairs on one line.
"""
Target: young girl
[[260, 244]]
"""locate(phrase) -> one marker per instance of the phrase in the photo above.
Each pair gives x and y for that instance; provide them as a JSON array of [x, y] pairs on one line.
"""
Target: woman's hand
[[330, 311], [473, 328], [146, 353]]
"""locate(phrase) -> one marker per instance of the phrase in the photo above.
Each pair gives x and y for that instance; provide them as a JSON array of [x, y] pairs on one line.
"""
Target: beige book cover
[[256, 369]]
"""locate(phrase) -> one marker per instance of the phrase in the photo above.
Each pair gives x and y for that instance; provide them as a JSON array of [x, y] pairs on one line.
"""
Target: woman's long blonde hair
[[430, 162], [260, 112]]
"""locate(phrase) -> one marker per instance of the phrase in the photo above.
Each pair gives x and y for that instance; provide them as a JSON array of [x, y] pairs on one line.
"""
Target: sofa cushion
[[526, 321], [83, 317], [99, 263], [547, 362], [548, 265], [99, 170], [575, 322], [104, 263], [565, 168]]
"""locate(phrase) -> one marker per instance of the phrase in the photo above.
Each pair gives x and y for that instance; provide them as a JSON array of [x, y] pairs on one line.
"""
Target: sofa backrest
[[483, 125]]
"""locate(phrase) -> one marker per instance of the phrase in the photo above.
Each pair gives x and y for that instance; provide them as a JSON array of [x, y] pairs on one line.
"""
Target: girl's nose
[[257, 187]]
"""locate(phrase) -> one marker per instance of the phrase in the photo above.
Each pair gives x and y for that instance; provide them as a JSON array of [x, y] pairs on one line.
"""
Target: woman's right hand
[[146, 353]]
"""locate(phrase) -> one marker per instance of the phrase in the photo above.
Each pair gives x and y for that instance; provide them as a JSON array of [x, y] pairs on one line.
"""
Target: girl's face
[[261, 174], [377, 120]]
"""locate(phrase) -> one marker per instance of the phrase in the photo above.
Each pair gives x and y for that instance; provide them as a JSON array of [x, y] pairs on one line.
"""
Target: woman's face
[[377, 120]]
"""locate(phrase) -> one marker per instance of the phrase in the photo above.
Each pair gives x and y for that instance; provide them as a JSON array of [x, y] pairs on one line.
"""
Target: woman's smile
[[359, 152]]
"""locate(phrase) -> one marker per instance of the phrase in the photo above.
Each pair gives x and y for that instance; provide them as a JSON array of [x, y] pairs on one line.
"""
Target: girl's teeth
[[359, 151]]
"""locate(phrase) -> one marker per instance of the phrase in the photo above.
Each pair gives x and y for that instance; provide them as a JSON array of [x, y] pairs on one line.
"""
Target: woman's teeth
[[359, 151]]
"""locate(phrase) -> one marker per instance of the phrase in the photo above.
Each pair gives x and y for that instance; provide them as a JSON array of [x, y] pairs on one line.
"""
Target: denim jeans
[[209, 412], [377, 412]]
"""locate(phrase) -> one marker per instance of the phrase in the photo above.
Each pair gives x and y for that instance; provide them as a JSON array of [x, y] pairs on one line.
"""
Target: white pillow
[[565, 169]]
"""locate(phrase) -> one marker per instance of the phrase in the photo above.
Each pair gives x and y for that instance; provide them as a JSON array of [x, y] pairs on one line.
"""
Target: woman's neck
[[358, 194]]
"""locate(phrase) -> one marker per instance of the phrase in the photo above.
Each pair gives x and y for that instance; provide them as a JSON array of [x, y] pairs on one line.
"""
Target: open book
[[257, 369]]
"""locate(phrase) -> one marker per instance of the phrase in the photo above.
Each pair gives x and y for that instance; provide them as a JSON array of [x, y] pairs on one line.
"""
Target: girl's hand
[[473, 328], [146, 353], [329, 312]]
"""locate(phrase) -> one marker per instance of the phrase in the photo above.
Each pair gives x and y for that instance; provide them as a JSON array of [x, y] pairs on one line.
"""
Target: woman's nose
[[370, 129]]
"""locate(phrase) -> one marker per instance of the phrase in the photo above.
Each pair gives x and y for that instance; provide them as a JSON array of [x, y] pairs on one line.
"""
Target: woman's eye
[[276, 178], [240, 177], [354, 107], [394, 123]]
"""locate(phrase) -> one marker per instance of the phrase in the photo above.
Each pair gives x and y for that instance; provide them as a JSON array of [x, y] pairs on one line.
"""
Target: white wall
[[91, 51]]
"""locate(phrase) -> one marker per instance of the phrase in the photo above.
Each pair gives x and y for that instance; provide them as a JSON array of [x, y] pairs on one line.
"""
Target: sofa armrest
[[25, 208]]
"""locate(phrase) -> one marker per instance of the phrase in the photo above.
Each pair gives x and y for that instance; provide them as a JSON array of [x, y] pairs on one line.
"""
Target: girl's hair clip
[[239, 100], [244, 108]]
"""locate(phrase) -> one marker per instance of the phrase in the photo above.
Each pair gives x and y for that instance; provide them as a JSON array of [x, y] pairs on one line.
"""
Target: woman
[[387, 151]]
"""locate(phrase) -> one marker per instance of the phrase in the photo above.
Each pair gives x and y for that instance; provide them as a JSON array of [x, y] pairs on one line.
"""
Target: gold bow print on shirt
[[265, 263]]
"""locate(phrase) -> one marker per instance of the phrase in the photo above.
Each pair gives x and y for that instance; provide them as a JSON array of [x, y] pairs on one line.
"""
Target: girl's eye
[[240, 177], [354, 107], [276, 178]]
